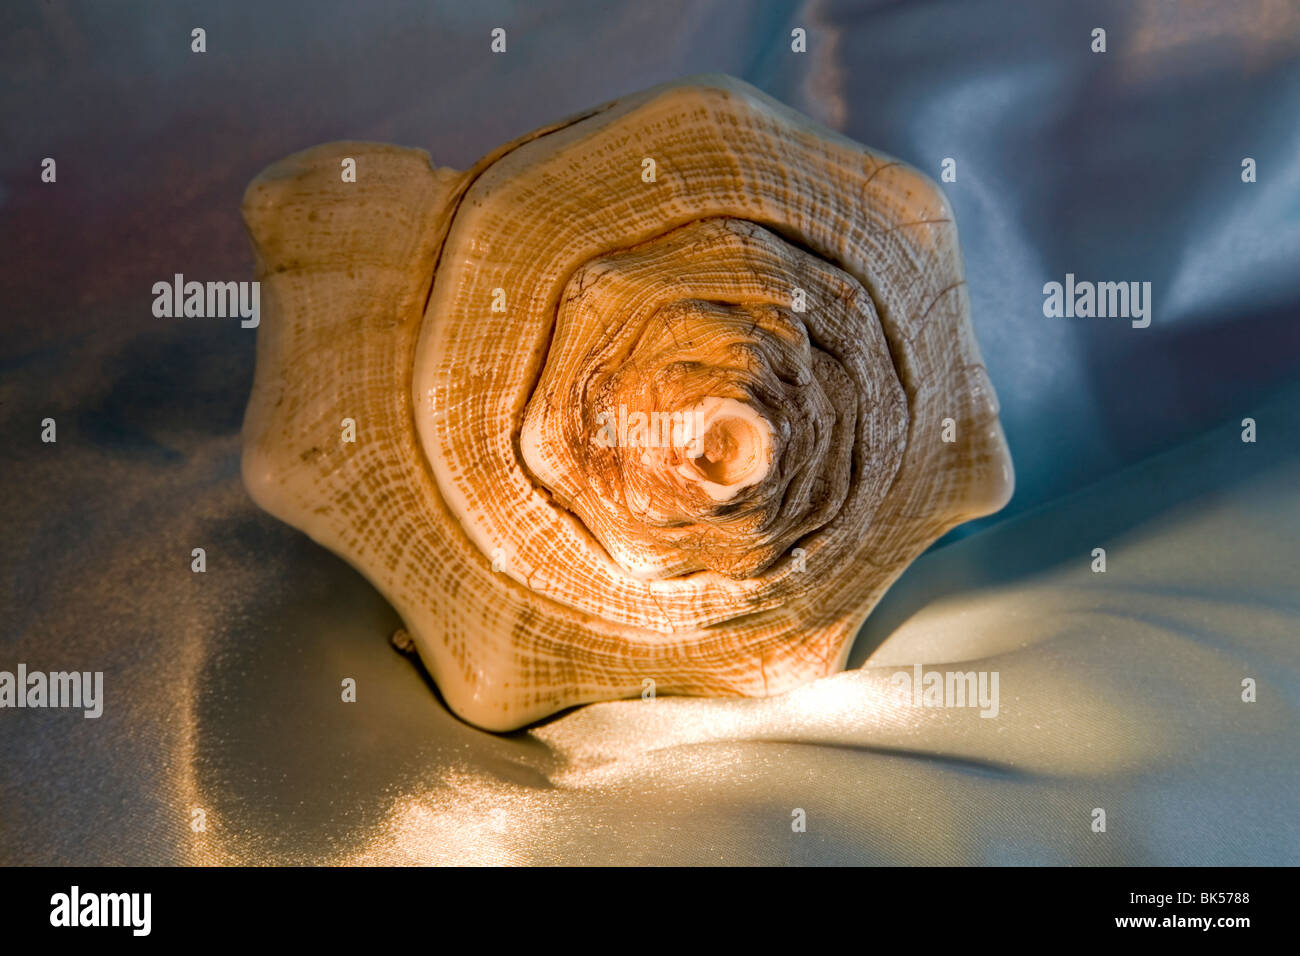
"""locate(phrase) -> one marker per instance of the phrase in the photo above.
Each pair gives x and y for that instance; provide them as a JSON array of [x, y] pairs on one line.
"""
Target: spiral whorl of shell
[[696, 415], [683, 427]]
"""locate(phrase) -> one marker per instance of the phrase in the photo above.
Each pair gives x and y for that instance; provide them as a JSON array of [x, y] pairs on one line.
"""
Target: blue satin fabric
[[1119, 691]]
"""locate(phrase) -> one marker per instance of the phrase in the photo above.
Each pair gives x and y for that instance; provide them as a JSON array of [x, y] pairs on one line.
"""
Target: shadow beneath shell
[[285, 767]]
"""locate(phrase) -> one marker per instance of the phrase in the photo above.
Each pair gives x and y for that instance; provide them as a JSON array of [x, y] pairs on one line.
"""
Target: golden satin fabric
[[1118, 691]]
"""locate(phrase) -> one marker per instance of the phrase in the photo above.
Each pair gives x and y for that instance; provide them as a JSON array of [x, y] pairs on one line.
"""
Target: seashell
[[663, 396]]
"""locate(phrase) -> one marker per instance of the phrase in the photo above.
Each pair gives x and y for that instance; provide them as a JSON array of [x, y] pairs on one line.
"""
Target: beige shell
[[501, 337]]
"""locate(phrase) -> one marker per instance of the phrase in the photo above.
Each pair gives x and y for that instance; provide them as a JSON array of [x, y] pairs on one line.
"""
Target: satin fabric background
[[1119, 691]]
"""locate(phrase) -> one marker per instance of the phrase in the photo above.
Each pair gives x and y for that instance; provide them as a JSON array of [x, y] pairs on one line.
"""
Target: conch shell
[[663, 396]]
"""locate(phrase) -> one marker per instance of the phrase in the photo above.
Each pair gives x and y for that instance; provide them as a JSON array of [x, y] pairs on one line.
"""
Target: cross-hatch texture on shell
[[792, 302]]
